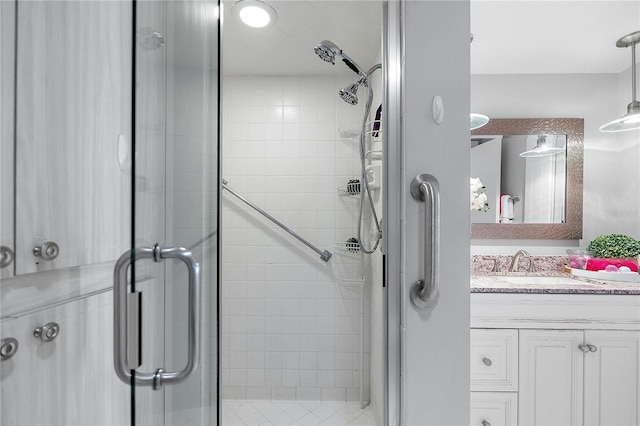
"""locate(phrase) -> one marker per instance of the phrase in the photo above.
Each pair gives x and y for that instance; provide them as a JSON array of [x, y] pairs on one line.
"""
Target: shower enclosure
[[197, 229], [296, 327], [109, 149]]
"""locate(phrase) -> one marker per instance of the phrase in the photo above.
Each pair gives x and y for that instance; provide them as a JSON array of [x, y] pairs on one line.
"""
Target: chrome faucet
[[516, 258]]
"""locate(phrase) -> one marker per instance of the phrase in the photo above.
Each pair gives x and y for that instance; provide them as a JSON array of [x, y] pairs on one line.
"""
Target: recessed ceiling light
[[255, 13]]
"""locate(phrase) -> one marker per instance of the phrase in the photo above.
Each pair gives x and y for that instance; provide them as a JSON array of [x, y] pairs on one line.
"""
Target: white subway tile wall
[[290, 323]]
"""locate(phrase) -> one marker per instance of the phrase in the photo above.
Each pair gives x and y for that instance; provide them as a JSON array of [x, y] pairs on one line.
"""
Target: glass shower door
[[166, 319]]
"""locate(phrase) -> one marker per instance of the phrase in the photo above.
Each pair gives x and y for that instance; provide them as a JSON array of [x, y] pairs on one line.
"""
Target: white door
[[433, 361], [612, 378], [551, 377]]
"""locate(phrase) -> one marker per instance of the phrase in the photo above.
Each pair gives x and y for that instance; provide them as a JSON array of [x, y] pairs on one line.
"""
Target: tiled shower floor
[[276, 413]]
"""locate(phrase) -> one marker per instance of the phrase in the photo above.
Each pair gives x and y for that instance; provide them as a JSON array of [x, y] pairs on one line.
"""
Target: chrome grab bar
[[127, 319], [324, 255], [425, 292]]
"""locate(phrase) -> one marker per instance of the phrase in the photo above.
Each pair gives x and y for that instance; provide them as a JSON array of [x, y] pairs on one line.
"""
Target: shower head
[[350, 94], [327, 51]]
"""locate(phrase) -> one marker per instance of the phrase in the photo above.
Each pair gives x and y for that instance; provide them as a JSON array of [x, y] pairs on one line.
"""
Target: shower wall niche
[[291, 323]]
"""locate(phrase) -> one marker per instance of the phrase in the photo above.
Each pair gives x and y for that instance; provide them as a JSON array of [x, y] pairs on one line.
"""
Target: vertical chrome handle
[[424, 292], [127, 358]]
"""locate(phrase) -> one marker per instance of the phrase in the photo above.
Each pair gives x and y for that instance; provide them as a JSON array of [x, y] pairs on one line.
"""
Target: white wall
[[290, 325], [611, 173]]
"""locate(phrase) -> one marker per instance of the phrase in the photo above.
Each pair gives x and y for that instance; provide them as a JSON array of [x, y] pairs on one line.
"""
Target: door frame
[[392, 46]]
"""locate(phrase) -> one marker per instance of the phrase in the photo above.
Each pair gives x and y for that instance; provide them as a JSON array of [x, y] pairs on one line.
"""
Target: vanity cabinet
[[576, 360]]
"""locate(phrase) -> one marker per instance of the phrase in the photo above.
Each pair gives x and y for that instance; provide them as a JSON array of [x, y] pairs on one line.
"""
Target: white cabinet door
[[612, 378], [551, 377], [73, 102], [68, 380], [7, 58], [494, 409]]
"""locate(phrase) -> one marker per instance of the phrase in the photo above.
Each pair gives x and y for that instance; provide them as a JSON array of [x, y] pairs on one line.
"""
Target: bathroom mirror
[[533, 197]]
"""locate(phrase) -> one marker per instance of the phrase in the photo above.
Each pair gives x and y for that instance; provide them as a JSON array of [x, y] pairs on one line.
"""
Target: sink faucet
[[516, 258], [496, 265]]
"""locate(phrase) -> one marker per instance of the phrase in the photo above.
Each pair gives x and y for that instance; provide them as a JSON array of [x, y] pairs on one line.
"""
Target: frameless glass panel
[[66, 111], [176, 146]]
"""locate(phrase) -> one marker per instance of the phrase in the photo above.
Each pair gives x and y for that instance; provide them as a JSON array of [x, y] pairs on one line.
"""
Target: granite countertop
[[495, 282]]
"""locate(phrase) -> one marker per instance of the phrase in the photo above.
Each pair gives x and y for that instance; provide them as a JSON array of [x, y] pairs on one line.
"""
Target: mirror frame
[[571, 229]]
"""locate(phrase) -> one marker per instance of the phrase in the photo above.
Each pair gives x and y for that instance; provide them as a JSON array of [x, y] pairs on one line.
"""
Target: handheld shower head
[[327, 51], [350, 94]]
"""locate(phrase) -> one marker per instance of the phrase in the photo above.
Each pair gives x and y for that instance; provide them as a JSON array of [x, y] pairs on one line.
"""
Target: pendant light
[[542, 149], [477, 120], [631, 120]]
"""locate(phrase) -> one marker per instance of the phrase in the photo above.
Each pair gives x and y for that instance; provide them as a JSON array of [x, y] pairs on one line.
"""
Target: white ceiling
[[287, 47], [510, 36], [539, 37]]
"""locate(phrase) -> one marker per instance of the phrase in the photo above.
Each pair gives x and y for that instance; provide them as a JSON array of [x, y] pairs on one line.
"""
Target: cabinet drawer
[[494, 360], [494, 409]]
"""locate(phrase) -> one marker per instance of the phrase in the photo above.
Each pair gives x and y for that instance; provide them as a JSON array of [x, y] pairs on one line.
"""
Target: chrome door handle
[[126, 318], [424, 292]]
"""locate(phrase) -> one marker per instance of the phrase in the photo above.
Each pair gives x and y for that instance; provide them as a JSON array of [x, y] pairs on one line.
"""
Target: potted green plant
[[615, 246]]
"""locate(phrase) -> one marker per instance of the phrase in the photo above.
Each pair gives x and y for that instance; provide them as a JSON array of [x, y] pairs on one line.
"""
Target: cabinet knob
[[47, 332], [485, 423], [588, 348], [6, 256], [47, 251], [8, 348], [487, 362]]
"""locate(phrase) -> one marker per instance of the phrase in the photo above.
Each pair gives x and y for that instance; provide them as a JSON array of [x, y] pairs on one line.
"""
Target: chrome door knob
[[8, 348], [485, 423], [47, 332], [593, 348], [47, 251], [6, 256], [487, 362], [584, 348]]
